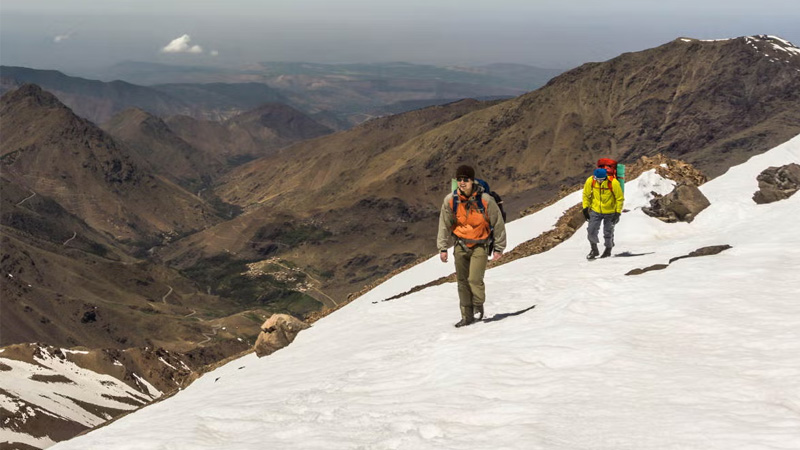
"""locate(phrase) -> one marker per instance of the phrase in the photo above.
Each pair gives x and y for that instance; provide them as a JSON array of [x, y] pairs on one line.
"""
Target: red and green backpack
[[614, 170]]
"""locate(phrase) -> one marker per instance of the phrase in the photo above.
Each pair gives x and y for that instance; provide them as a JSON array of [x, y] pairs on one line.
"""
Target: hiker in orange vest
[[471, 220], [602, 203]]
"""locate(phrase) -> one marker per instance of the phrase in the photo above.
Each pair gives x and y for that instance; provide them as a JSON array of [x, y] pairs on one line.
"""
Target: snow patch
[[781, 40], [74, 352], [166, 363], [790, 50], [151, 390], [8, 403], [8, 436]]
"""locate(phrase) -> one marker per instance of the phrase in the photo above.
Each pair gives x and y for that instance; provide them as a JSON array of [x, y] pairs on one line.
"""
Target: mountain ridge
[[50, 150], [711, 104]]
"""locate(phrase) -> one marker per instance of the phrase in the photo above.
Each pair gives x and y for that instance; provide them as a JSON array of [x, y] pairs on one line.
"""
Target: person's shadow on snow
[[502, 316]]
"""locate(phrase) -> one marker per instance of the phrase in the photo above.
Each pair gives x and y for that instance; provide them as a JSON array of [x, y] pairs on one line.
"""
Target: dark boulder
[[777, 183], [681, 205]]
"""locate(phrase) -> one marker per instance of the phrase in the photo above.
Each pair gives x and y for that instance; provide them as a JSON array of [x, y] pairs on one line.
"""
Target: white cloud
[[62, 37], [182, 45], [214, 53]]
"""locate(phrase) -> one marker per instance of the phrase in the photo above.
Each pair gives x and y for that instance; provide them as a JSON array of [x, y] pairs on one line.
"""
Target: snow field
[[701, 355]]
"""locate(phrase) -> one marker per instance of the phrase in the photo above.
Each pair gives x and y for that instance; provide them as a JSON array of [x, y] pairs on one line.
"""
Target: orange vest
[[471, 225]]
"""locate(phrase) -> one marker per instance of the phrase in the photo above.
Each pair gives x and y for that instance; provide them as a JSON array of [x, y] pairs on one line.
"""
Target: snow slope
[[701, 355]]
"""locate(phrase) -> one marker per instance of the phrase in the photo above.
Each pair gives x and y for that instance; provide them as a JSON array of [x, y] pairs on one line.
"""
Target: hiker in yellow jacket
[[602, 203]]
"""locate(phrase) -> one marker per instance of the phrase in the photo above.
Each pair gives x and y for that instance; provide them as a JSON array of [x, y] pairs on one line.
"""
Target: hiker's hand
[[586, 213], [615, 220], [443, 256], [497, 255]]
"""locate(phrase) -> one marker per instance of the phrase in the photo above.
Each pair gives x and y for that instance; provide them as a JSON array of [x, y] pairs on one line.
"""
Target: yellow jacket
[[603, 198]]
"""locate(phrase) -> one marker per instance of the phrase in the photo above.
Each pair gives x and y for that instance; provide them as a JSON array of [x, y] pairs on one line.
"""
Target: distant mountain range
[[516, 76], [338, 96]]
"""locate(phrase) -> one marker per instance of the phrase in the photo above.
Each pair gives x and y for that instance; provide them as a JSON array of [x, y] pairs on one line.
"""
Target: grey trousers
[[470, 267], [595, 218]]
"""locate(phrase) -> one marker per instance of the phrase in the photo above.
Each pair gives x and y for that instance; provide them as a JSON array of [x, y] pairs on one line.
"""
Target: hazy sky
[[81, 36]]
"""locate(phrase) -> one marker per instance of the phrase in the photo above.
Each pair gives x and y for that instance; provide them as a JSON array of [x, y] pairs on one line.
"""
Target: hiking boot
[[594, 253], [478, 312], [466, 317], [463, 322], [606, 253]]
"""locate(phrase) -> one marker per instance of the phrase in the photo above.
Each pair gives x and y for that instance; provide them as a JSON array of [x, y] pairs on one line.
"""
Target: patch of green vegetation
[[238, 160], [98, 249], [224, 276], [290, 234], [288, 264], [293, 303], [141, 247], [254, 317], [149, 310], [223, 209]]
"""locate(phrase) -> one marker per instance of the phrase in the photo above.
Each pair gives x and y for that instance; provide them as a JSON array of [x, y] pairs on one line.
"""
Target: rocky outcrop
[[277, 332], [703, 251], [681, 205], [777, 183], [676, 170]]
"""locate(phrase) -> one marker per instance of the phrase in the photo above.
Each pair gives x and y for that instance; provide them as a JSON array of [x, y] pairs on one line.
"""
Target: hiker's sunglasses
[[463, 179]]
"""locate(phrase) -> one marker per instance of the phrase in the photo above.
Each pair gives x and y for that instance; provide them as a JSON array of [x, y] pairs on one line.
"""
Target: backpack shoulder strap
[[454, 202], [479, 202]]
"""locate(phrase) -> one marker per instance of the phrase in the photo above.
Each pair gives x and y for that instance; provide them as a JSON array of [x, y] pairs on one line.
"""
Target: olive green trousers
[[470, 267]]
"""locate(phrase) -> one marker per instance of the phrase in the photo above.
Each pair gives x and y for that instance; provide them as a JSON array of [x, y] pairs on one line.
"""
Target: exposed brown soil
[[51, 378]]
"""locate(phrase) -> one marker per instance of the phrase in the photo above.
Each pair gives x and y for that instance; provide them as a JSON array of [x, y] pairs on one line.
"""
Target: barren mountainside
[[165, 152], [252, 134], [376, 189], [49, 150], [79, 214]]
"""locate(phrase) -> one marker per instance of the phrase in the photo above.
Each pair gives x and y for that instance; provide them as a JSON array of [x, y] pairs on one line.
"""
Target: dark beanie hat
[[465, 171]]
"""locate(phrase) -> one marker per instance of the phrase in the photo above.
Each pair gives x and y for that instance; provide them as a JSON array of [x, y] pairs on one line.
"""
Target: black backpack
[[495, 196]]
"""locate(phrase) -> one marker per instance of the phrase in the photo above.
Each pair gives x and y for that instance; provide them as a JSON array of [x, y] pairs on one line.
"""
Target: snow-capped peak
[[774, 44]]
